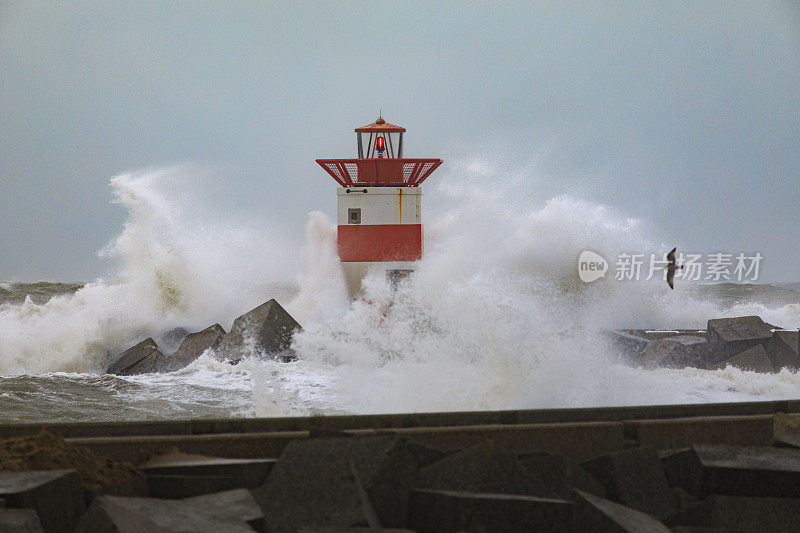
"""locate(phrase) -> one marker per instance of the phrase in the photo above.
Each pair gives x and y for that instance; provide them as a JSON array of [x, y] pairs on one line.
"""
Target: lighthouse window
[[354, 215]]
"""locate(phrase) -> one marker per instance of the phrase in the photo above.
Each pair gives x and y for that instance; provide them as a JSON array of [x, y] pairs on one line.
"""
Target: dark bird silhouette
[[671, 268]]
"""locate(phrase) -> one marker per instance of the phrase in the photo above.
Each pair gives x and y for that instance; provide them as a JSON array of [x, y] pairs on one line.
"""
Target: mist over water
[[494, 317]]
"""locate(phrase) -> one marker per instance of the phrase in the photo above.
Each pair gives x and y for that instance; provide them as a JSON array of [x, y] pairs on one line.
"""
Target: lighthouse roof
[[380, 126]]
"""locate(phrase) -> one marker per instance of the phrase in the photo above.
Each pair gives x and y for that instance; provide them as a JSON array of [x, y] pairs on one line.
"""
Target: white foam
[[494, 317], [179, 265]]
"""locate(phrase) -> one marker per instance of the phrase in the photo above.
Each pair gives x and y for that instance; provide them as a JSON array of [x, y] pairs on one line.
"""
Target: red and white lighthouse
[[380, 202]]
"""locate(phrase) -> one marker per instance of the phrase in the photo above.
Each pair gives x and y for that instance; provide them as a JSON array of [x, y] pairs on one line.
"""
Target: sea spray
[[495, 315], [175, 270]]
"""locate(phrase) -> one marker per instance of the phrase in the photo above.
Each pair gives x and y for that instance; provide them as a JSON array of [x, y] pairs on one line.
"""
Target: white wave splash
[[494, 317], [179, 266]]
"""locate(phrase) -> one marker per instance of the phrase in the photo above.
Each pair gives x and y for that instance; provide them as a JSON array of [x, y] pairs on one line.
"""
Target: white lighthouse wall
[[381, 205]]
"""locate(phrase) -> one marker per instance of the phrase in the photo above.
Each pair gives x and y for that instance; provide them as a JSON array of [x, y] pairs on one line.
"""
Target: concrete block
[[579, 441], [339, 482], [140, 359], [485, 468], [782, 350], [559, 420], [736, 471], [237, 503], [177, 487], [755, 359], [728, 337], [170, 340], [245, 473], [561, 474], [787, 430], [138, 449], [55, 495], [635, 478], [701, 529], [593, 514], [316, 432], [680, 468], [676, 433], [438, 511], [743, 514], [232, 511], [425, 455], [20, 521], [265, 330], [193, 346], [675, 352], [680, 499], [629, 344], [337, 529]]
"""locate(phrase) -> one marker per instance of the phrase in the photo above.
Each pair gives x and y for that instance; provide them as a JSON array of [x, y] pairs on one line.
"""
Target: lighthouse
[[379, 213]]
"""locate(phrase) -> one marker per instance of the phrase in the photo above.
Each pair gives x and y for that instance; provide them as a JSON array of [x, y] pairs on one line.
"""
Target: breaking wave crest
[[177, 268]]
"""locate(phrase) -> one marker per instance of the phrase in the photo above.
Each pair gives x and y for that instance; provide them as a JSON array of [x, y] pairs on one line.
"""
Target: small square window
[[354, 215]]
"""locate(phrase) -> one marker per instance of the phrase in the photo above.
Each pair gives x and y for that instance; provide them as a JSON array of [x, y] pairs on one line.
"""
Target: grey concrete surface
[[754, 359], [266, 330], [439, 511], [55, 495], [192, 347], [232, 511], [139, 359], [366, 471], [634, 477], [594, 514]]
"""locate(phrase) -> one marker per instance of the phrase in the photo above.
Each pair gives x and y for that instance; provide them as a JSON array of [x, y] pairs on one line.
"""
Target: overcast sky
[[683, 114]]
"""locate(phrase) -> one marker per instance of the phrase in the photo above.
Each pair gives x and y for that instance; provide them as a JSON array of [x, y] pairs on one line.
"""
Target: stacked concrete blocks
[[747, 343], [265, 331]]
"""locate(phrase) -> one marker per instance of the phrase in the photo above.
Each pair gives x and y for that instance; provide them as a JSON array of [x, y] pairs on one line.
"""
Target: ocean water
[[494, 317]]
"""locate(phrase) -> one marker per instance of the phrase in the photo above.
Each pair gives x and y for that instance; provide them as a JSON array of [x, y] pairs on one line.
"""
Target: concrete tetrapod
[[264, 331], [55, 495], [593, 514], [728, 337], [140, 359], [232, 511], [635, 478], [443, 511], [339, 482], [193, 346]]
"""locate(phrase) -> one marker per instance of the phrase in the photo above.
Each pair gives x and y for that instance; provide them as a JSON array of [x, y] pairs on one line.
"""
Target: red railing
[[379, 172]]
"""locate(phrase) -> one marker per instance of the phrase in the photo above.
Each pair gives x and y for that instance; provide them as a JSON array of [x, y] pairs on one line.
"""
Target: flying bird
[[671, 268]]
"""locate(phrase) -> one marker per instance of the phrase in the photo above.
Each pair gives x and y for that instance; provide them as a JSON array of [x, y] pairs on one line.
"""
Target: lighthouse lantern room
[[379, 209]]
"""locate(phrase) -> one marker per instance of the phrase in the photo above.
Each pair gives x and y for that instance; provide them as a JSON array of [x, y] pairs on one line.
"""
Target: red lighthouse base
[[380, 242]]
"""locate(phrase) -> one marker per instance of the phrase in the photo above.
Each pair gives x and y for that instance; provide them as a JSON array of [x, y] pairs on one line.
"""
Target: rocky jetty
[[733, 467], [746, 342], [265, 331]]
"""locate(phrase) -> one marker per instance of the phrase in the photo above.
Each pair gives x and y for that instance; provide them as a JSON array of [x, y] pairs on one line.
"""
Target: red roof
[[380, 126]]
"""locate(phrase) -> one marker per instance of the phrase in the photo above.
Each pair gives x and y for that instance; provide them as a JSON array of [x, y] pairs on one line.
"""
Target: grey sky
[[684, 114]]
